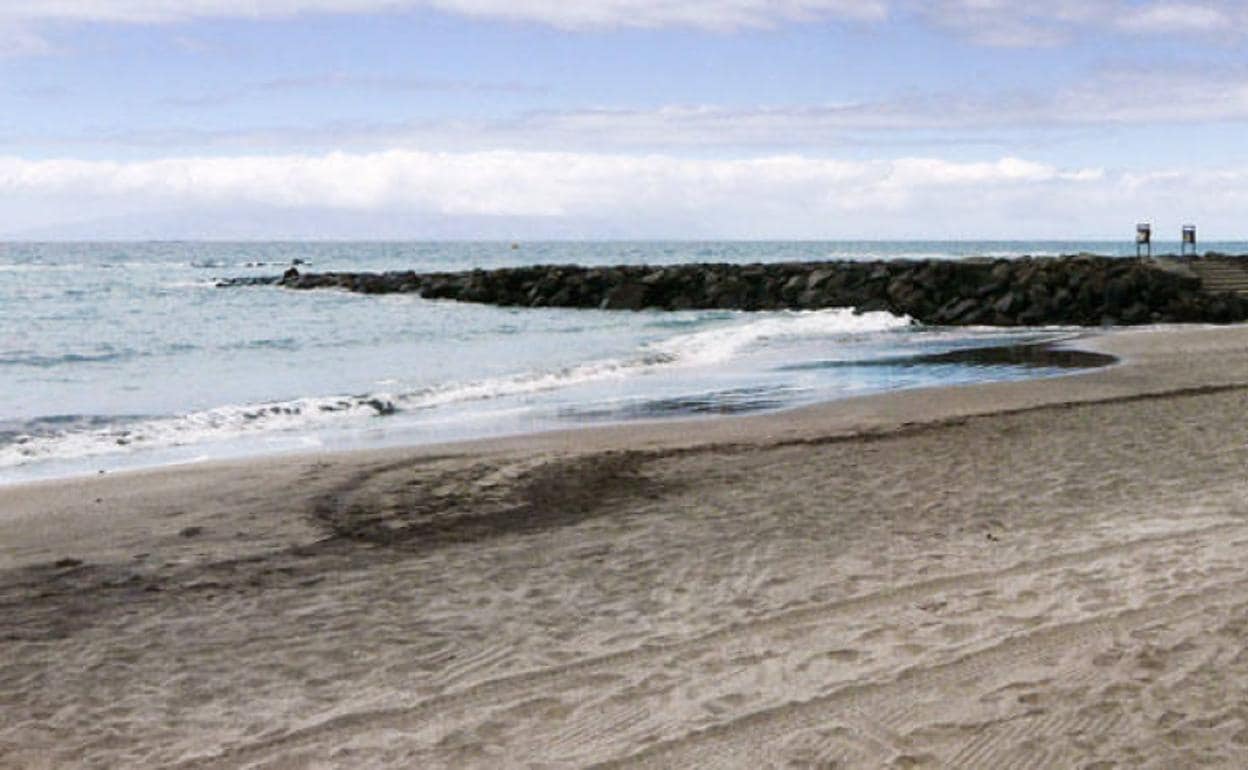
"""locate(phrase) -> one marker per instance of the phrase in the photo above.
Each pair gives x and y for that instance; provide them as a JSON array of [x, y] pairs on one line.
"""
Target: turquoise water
[[123, 355]]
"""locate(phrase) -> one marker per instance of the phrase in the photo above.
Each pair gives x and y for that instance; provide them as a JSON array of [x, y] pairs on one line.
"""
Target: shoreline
[[865, 416], [1081, 345], [1055, 355], [917, 578]]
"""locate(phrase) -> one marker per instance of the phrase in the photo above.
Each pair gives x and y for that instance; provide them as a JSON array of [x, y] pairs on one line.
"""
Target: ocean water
[[117, 355]]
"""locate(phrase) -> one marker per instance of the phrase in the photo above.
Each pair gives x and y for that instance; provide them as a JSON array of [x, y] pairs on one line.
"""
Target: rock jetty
[[1083, 290]]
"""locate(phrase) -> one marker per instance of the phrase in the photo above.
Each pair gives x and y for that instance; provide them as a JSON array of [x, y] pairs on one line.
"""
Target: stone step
[[1221, 277]]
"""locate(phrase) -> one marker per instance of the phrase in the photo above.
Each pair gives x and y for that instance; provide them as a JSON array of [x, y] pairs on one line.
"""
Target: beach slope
[[1026, 574]]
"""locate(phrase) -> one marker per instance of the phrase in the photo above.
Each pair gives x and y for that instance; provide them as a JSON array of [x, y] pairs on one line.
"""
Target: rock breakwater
[[1072, 290]]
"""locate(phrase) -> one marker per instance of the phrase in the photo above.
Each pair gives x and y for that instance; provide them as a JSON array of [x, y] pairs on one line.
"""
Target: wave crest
[[731, 337]]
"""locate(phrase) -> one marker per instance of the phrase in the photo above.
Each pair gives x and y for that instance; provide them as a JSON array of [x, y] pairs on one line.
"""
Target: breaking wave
[[86, 435]]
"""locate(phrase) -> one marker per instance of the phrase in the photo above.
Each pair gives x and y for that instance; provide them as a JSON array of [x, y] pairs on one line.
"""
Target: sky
[[515, 119]]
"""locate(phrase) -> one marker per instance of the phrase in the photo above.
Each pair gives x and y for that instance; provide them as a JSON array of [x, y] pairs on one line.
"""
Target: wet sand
[[1027, 574]]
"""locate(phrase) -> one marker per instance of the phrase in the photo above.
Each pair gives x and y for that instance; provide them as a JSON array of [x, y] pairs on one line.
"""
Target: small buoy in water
[[515, 245]]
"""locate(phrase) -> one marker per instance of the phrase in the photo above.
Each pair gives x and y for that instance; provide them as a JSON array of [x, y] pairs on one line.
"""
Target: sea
[[127, 355]]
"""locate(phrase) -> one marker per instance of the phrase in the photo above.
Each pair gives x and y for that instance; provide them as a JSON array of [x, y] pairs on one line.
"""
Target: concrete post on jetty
[[1084, 289]]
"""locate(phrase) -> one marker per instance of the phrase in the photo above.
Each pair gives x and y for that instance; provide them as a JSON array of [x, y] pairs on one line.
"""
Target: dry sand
[[1043, 574]]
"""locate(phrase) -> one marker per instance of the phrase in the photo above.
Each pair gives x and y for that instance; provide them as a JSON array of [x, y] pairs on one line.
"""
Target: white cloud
[[1180, 18], [592, 195], [985, 22], [493, 183], [1115, 97], [1054, 22], [715, 14], [1012, 24], [1164, 95], [783, 196], [1124, 97]]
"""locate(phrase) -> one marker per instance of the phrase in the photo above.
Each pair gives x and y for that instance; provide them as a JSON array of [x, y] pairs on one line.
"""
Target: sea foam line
[[706, 347]]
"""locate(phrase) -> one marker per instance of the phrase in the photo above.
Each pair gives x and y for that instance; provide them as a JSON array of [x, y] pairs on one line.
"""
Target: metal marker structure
[[1143, 239], [1189, 239]]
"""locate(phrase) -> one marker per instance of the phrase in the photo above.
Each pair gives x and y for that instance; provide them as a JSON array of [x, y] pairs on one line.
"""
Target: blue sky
[[621, 118]]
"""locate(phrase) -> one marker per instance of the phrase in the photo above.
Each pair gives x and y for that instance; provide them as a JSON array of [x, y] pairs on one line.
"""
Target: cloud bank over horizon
[[658, 196], [991, 22]]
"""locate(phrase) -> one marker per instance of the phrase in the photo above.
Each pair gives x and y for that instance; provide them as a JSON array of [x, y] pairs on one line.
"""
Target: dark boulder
[[626, 296], [1081, 289]]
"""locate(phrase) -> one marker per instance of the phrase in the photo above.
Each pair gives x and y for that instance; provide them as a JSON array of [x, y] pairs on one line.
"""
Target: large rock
[[1081, 289], [626, 296]]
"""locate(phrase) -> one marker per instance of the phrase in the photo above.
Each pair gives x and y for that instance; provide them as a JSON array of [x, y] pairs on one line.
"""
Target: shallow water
[[119, 355]]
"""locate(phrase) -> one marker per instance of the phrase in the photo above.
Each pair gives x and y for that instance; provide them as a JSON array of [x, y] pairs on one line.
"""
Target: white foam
[[707, 347], [220, 423], [700, 348], [713, 346]]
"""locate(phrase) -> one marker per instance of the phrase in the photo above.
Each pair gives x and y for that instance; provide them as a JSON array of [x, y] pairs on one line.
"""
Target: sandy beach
[[1024, 575]]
